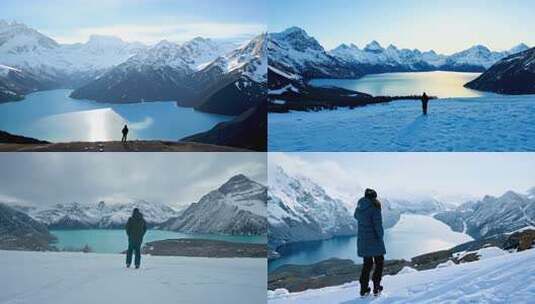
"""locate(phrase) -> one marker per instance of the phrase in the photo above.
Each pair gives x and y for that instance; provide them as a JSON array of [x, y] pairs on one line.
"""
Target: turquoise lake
[[115, 241], [54, 116], [411, 236]]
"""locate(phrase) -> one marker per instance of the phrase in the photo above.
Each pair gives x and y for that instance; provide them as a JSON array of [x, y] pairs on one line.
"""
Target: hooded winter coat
[[370, 229], [136, 228]]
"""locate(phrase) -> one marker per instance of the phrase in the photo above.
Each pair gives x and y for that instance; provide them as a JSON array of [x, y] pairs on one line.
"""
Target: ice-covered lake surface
[[115, 240], [54, 116], [489, 123], [411, 236]]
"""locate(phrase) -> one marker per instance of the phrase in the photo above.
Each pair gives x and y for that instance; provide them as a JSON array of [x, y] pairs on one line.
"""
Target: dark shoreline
[[205, 248]]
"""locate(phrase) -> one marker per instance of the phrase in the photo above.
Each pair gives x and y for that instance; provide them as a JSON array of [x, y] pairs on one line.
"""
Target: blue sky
[[451, 177], [446, 26], [139, 20]]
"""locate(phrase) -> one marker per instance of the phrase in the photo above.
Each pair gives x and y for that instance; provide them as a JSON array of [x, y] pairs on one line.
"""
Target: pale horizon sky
[[175, 179], [446, 26], [146, 21], [449, 177]]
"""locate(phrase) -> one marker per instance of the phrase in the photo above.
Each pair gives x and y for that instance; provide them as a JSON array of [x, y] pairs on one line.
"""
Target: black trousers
[[367, 268], [133, 248]]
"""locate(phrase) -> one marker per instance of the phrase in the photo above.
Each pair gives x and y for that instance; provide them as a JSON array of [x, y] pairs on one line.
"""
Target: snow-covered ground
[[57, 278], [501, 279], [491, 123]]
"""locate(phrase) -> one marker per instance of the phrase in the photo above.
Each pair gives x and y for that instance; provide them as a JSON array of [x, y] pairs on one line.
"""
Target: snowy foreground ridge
[[67, 278], [505, 278]]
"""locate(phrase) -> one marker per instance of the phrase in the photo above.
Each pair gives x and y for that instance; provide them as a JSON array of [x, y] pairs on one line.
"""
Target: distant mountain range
[[294, 52], [101, 215], [492, 215], [512, 75], [208, 75]]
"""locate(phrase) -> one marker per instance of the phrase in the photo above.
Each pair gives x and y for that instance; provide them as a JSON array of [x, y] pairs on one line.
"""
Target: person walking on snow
[[135, 230], [125, 133], [425, 101], [370, 244]]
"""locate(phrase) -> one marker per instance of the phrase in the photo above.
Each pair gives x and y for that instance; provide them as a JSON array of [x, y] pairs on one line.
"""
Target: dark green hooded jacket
[[136, 227]]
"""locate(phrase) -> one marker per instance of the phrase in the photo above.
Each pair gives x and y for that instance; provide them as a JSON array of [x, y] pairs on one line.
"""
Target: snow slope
[[65, 278], [490, 123], [495, 279]]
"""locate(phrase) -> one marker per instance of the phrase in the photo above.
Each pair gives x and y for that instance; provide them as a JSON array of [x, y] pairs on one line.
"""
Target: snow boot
[[377, 290], [365, 291]]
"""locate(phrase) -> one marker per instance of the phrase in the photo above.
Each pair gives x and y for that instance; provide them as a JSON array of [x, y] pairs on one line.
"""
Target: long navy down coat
[[370, 229]]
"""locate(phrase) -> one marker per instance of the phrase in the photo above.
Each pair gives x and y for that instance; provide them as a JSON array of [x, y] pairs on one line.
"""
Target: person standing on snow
[[135, 230], [425, 101], [370, 244]]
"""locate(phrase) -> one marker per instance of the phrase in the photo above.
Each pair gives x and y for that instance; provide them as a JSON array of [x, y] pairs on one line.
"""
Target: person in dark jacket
[[425, 102], [125, 133], [370, 244], [135, 230]]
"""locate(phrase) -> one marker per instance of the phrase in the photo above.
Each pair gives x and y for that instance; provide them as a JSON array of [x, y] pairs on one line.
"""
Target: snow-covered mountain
[[498, 277], [492, 215], [236, 82], [101, 215], [512, 75], [18, 231], [294, 52], [200, 73], [68, 65], [238, 207], [301, 210]]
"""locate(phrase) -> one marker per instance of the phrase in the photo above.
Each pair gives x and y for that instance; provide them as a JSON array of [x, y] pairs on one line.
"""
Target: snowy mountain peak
[[479, 48], [374, 47], [17, 38], [298, 39], [238, 183], [519, 48]]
